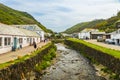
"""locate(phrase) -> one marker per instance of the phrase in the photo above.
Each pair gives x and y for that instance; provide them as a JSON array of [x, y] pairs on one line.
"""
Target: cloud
[[59, 15]]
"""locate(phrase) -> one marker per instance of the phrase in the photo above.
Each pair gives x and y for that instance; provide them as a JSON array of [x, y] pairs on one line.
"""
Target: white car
[[110, 41]]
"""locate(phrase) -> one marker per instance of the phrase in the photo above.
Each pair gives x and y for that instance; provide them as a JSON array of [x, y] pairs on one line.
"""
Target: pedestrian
[[44, 40], [34, 44]]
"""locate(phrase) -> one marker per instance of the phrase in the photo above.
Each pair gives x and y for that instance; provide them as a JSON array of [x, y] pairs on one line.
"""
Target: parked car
[[109, 41], [100, 39]]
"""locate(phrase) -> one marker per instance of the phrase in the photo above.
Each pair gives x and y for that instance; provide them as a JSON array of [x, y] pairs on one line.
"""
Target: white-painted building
[[12, 38], [66, 35], [85, 34], [35, 28], [115, 36]]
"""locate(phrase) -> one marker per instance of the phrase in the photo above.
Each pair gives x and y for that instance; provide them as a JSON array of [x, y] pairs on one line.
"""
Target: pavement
[[111, 46], [5, 57]]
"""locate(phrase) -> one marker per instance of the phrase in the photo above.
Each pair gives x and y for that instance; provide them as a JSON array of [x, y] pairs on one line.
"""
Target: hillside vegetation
[[81, 26], [11, 16], [107, 25]]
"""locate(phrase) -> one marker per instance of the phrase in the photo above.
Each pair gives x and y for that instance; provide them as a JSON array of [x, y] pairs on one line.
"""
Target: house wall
[[116, 37], [42, 35], [6, 48], [94, 36], [84, 35], [27, 43]]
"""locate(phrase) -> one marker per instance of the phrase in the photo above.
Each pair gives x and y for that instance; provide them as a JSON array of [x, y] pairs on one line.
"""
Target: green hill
[[11, 16], [81, 26], [107, 25]]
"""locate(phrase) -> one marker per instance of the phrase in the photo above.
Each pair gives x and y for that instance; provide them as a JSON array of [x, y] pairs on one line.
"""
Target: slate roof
[[32, 27], [9, 30]]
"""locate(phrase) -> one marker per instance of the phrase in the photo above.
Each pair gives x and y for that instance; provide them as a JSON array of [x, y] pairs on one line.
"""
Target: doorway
[[15, 43]]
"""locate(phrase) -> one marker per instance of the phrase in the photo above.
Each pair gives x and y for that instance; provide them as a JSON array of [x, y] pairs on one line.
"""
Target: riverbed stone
[[71, 66]]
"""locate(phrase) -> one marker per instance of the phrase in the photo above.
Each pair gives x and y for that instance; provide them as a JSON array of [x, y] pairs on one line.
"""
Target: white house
[[34, 27], [85, 34], [66, 35], [115, 36], [12, 38]]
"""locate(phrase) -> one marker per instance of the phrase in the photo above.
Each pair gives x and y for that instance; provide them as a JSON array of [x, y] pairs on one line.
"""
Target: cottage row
[[12, 38], [88, 33]]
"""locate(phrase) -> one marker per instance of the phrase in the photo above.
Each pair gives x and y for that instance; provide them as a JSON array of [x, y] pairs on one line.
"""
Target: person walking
[[34, 44]]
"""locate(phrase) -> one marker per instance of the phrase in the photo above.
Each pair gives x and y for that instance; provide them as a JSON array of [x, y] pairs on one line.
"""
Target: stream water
[[70, 65]]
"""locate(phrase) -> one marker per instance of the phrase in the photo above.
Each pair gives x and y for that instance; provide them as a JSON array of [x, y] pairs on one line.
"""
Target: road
[[115, 47]]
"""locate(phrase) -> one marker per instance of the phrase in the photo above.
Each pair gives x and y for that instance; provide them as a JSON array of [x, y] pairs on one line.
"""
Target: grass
[[112, 52], [10, 16], [22, 59], [46, 61]]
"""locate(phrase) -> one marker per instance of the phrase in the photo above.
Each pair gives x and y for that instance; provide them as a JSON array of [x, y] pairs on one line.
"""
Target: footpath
[[111, 46], [5, 57]]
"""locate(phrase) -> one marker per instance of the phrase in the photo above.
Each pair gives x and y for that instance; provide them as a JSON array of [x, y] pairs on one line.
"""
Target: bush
[[46, 60]]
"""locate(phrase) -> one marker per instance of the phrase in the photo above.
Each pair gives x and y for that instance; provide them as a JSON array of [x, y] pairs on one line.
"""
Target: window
[[0, 41], [28, 40], [20, 40], [7, 41]]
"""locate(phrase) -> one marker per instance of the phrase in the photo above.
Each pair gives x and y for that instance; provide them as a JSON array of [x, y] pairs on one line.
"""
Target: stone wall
[[20, 70], [103, 58]]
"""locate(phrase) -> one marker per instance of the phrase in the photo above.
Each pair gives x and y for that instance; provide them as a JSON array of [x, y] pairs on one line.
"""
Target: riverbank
[[70, 65], [22, 68], [109, 58]]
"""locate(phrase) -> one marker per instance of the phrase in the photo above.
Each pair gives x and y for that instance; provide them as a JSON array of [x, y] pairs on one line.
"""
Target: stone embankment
[[70, 65], [22, 69]]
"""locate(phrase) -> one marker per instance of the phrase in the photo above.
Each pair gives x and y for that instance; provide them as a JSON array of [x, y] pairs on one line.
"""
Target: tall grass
[[112, 52]]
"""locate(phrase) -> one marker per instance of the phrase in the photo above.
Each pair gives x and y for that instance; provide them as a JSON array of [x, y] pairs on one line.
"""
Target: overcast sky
[[59, 15]]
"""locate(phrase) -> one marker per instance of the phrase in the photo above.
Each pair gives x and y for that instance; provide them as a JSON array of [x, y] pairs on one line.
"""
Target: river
[[70, 65]]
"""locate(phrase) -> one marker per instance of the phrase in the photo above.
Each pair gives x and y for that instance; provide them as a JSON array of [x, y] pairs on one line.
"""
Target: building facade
[[12, 38], [85, 34]]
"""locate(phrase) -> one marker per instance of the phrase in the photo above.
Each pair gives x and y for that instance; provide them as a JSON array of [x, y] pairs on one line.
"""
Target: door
[[118, 41], [15, 43]]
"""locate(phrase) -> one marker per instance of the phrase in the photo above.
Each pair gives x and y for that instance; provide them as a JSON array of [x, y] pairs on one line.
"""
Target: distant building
[[12, 38], [95, 35], [66, 35], [85, 34], [75, 35], [115, 36]]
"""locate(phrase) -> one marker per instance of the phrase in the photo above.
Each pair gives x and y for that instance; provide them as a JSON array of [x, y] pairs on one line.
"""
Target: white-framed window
[[28, 40], [21, 40], [7, 41], [0, 41]]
